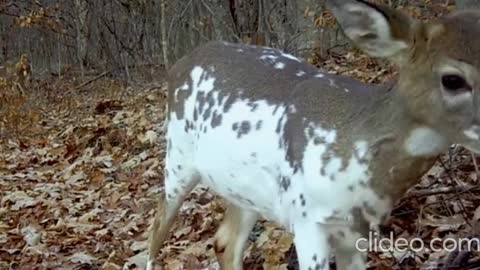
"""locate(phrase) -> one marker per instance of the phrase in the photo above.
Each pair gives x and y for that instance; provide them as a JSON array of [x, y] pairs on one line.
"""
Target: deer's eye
[[455, 83]]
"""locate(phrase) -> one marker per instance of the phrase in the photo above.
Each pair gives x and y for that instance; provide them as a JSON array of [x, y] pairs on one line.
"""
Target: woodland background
[[81, 143]]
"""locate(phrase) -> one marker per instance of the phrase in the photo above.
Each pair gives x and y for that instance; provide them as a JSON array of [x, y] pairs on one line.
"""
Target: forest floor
[[81, 171]]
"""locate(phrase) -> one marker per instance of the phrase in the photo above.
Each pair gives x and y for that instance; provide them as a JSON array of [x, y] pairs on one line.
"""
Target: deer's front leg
[[349, 255], [311, 243], [350, 243]]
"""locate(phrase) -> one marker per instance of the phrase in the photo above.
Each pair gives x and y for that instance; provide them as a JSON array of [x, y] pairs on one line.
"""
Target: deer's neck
[[403, 147]]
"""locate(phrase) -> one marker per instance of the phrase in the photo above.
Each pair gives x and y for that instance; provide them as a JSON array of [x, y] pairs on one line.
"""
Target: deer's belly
[[246, 169], [253, 174]]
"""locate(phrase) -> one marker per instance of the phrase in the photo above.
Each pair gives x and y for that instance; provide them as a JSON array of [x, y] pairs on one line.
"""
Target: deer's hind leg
[[177, 186], [232, 235]]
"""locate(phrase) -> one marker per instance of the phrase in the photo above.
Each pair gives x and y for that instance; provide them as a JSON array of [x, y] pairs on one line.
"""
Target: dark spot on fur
[[211, 102], [318, 141], [363, 161], [296, 167], [302, 200], [293, 202], [304, 214], [207, 113], [195, 114], [175, 190], [189, 125], [243, 129], [253, 106], [275, 110], [179, 167], [216, 119], [314, 257], [285, 182], [235, 126], [258, 126], [254, 155], [341, 234], [279, 125], [351, 188], [228, 103], [201, 101]]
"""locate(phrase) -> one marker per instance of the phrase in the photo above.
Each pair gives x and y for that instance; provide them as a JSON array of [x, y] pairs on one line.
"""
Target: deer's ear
[[377, 30]]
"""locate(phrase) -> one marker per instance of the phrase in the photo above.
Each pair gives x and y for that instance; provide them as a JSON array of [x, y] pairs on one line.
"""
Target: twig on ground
[[94, 79], [440, 190], [475, 164]]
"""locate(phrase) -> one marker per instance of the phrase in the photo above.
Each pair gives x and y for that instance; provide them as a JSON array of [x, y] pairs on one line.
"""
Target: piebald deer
[[324, 156]]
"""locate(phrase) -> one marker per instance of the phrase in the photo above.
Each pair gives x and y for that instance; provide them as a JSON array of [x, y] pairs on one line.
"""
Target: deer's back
[[255, 73]]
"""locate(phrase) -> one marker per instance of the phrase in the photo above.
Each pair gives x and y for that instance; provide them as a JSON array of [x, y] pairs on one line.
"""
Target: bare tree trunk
[[163, 31], [222, 21], [81, 24], [306, 36]]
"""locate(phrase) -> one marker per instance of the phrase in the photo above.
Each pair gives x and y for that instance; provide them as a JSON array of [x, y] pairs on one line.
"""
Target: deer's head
[[439, 63]]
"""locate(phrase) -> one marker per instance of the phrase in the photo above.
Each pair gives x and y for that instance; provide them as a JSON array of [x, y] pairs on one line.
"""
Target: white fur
[[291, 57], [424, 141], [268, 57], [457, 99], [300, 73], [279, 65]]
